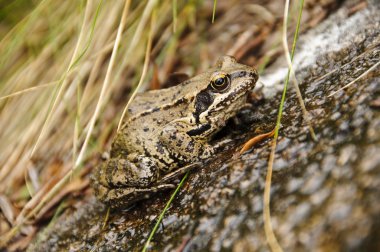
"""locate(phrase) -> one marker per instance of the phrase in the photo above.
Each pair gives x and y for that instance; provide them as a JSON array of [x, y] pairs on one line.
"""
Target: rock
[[325, 194]]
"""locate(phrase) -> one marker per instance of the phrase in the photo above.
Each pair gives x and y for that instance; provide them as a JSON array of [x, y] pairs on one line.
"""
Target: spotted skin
[[171, 128]]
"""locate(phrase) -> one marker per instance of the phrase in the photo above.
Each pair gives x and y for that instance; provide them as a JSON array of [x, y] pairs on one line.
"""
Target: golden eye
[[220, 82]]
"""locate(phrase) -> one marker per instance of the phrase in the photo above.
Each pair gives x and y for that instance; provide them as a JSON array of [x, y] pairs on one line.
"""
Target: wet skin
[[168, 131]]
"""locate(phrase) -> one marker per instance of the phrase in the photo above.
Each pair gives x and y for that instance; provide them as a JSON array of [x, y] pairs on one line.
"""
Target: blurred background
[[58, 85]]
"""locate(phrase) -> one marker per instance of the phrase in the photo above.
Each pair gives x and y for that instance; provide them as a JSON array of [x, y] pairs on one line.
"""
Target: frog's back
[[160, 98], [151, 111], [142, 129]]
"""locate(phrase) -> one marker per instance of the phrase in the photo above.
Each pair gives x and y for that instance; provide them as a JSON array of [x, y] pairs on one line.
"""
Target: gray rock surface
[[325, 194]]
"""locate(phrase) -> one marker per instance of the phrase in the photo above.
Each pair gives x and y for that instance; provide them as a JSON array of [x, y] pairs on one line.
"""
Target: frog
[[168, 132]]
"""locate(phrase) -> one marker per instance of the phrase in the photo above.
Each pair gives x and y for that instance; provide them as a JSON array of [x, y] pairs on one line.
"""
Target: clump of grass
[[52, 100]]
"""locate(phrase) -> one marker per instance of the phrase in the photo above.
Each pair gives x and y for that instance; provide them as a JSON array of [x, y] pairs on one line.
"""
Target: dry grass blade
[[73, 186], [347, 64], [271, 238], [29, 90], [305, 113], [145, 69], [358, 78], [63, 81], [14, 32], [7, 209], [40, 200], [57, 187], [105, 83], [64, 180], [136, 39], [106, 218]]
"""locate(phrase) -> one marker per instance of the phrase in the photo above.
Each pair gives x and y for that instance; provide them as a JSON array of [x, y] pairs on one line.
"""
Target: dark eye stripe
[[203, 100]]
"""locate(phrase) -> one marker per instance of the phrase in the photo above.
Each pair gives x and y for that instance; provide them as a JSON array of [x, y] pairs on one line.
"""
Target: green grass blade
[[163, 212], [270, 236], [213, 12], [174, 16], [295, 38]]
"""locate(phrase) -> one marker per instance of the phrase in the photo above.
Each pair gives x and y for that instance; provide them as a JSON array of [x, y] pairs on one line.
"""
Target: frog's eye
[[220, 82]]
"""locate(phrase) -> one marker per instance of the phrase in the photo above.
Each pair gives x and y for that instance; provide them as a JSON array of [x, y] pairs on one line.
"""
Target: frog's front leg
[[185, 142]]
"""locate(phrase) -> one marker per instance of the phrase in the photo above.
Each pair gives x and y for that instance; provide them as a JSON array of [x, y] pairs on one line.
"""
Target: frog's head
[[226, 91]]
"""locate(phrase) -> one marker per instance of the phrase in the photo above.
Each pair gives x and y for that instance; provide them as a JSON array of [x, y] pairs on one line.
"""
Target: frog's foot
[[123, 197], [173, 175]]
